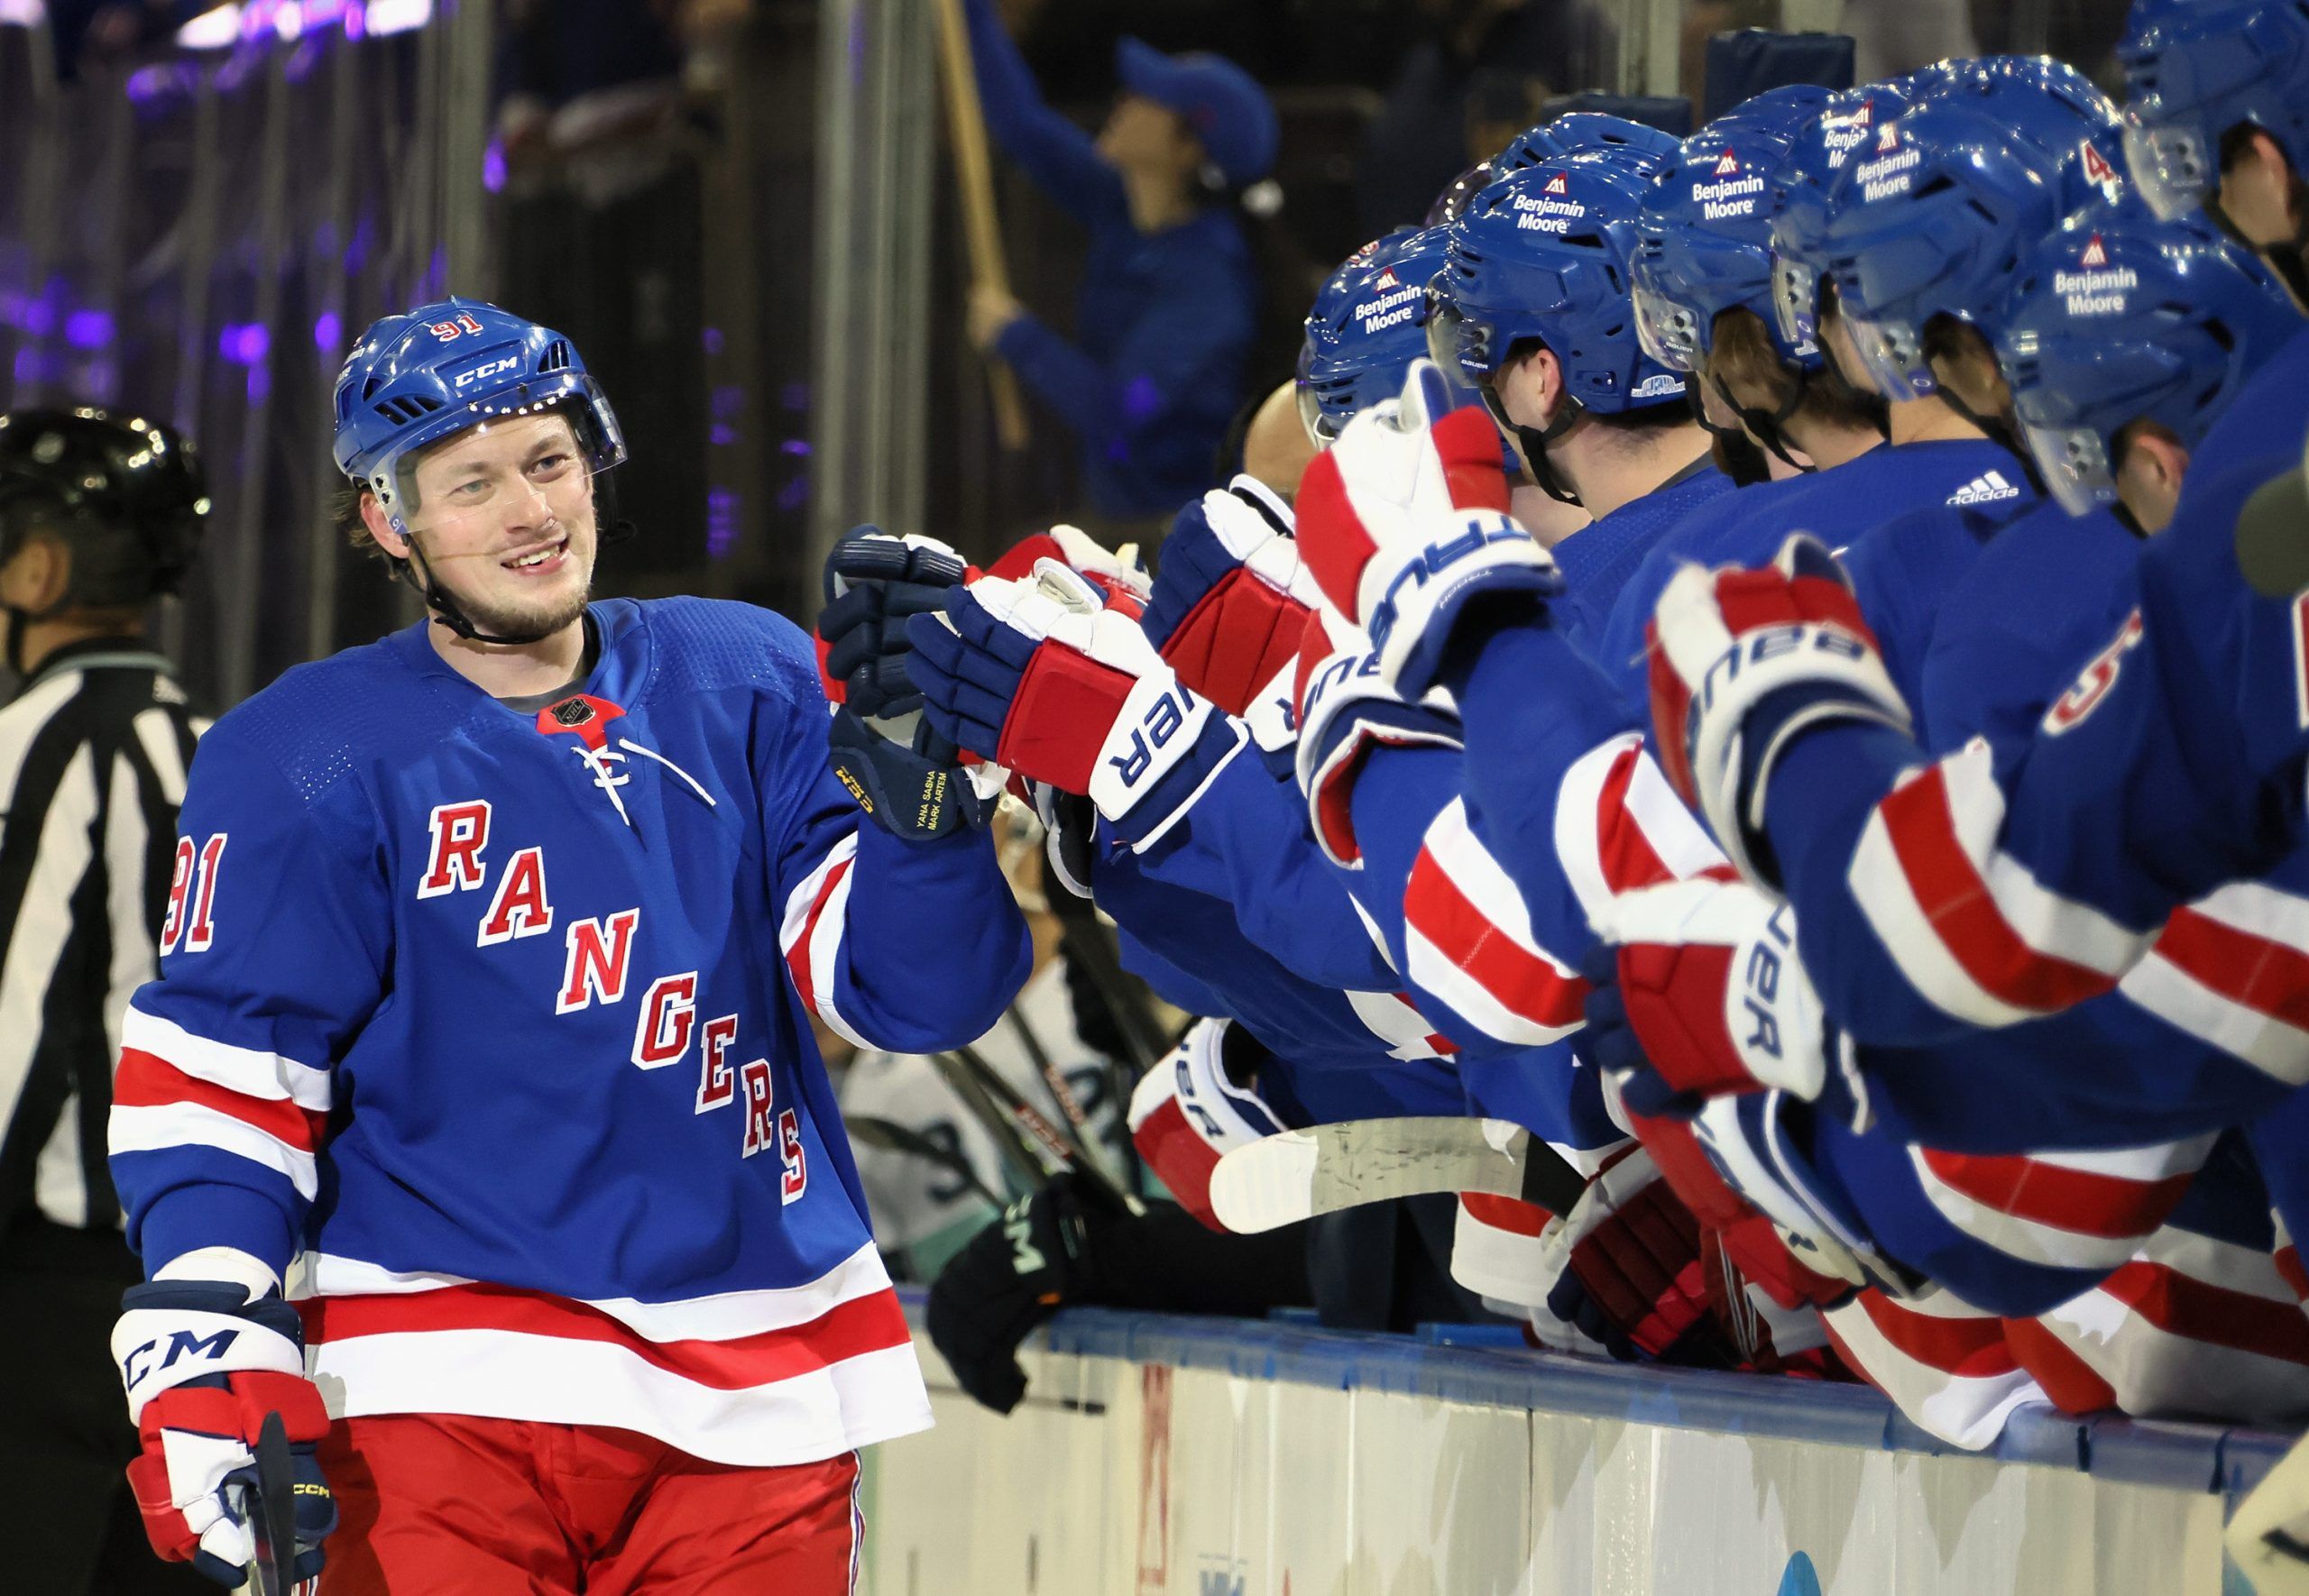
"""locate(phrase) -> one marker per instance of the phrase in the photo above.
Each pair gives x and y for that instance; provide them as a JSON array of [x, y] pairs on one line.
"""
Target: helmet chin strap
[[1999, 432], [419, 574], [1763, 425], [1535, 441]]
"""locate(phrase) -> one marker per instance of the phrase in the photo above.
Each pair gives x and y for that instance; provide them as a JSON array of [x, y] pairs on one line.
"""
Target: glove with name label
[[1742, 662], [1198, 1104], [1008, 1279], [1702, 996], [1404, 523], [900, 771], [203, 1366], [1044, 679]]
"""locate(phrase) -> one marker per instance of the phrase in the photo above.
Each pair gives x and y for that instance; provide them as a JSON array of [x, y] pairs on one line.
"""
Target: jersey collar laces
[[587, 719]]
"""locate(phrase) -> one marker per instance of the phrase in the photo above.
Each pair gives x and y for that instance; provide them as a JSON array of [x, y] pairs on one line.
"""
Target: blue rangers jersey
[[2007, 881], [1599, 559], [498, 1026], [1838, 506]]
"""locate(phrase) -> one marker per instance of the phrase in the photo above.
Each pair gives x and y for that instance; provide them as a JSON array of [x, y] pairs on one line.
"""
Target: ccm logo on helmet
[[488, 369]]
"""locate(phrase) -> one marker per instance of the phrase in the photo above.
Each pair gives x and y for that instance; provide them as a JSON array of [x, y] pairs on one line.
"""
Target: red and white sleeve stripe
[[1467, 933], [1619, 826], [1969, 926], [176, 1090], [1468, 939], [2192, 1327], [1943, 1362], [2062, 1210], [2232, 970], [817, 913]]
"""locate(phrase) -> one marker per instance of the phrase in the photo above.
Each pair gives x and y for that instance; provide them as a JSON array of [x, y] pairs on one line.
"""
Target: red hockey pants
[[437, 1504]]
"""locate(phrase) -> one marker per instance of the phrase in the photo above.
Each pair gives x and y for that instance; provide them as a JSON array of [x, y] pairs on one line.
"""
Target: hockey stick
[[1056, 1151], [1295, 1175], [1029, 1163], [269, 1504], [890, 1136], [1062, 1094]]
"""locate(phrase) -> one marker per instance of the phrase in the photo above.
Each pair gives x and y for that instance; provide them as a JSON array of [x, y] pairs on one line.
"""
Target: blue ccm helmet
[[1362, 338], [1931, 216], [2116, 318], [1703, 245], [415, 380], [1542, 256], [1799, 216], [1581, 132], [2196, 69]]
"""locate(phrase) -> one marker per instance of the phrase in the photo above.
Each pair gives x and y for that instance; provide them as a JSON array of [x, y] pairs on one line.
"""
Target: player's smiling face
[[504, 515]]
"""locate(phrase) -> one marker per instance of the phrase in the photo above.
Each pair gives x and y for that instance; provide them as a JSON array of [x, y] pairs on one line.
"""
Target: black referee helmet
[[126, 496]]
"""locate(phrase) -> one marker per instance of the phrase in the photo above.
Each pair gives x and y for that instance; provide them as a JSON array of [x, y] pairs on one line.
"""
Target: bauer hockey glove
[[1629, 1272], [203, 1366], [1042, 677], [1744, 662], [1346, 709], [1121, 578], [1008, 1279], [1197, 1105], [1403, 522], [1702, 996], [1231, 605]]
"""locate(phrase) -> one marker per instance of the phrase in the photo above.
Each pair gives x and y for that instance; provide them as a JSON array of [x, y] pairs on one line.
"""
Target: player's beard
[[513, 621]]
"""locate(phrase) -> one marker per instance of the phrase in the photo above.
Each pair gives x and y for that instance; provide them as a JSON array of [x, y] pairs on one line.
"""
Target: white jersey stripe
[[249, 1071], [169, 1126]]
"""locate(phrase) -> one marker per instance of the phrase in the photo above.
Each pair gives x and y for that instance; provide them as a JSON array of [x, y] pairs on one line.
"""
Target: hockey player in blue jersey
[[482, 1035]]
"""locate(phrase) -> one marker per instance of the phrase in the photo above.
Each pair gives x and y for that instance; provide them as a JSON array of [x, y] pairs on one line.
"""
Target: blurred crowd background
[[744, 212]]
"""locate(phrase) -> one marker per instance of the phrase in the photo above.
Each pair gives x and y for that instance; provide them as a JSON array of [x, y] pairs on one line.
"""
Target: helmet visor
[[1454, 343], [2174, 166], [1668, 329], [1320, 428], [1892, 355], [2073, 461], [1796, 302], [599, 445]]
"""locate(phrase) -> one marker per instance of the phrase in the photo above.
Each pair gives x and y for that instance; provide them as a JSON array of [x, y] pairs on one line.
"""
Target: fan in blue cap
[[1168, 307], [2123, 340]]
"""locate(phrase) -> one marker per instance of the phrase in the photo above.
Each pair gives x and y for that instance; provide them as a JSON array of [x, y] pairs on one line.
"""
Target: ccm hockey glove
[[1403, 522], [1741, 664], [901, 772], [1008, 1279], [1042, 677], [203, 1366]]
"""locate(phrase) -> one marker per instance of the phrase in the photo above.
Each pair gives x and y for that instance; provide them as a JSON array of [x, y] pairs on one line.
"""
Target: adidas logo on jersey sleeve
[[1991, 487]]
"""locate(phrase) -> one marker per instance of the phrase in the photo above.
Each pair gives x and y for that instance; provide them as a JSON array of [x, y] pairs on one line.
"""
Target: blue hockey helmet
[[1449, 204], [1362, 340], [1704, 237], [1583, 133], [1800, 211], [2118, 317], [2194, 69], [415, 380], [1932, 217], [1541, 256]]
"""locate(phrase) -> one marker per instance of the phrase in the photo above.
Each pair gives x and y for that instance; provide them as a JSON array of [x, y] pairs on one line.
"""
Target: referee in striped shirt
[[100, 514]]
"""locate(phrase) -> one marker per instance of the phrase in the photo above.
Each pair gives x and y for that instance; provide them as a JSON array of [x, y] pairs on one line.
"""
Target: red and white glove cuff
[[1715, 989]]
